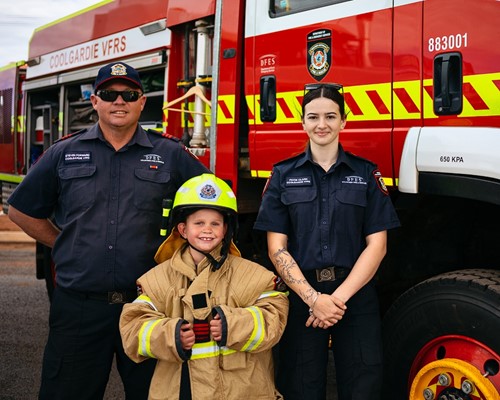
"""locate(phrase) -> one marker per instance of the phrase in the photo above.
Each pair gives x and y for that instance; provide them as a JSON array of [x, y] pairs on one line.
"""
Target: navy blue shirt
[[107, 203], [326, 215]]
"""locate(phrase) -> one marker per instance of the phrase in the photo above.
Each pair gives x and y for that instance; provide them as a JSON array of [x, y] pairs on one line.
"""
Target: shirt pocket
[[77, 188], [150, 187], [350, 207], [302, 209]]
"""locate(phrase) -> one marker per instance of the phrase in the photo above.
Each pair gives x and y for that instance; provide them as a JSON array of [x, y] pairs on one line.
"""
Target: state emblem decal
[[319, 53]]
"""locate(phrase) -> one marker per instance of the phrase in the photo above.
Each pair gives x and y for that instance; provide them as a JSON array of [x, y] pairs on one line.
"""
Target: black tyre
[[449, 316]]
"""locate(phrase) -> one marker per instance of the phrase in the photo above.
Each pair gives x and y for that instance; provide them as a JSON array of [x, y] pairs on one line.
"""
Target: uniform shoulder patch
[[139, 289], [279, 284], [380, 182], [267, 183]]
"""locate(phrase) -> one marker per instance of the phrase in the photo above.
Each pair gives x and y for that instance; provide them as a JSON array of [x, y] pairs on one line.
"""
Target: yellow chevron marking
[[489, 93], [483, 84], [260, 174], [229, 102], [412, 88]]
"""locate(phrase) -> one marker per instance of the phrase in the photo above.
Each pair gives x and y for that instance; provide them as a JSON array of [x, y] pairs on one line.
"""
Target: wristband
[[311, 309]]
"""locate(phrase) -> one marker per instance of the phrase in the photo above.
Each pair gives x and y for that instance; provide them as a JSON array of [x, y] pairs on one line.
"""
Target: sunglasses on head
[[313, 86], [112, 95]]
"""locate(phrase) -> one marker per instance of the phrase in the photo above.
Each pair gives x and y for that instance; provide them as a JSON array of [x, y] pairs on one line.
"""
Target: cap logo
[[208, 192], [118, 70]]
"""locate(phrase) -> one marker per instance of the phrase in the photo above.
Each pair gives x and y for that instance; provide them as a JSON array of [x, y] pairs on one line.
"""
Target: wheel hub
[[451, 379]]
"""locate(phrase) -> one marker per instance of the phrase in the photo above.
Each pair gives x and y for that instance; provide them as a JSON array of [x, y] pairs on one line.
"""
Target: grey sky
[[19, 18]]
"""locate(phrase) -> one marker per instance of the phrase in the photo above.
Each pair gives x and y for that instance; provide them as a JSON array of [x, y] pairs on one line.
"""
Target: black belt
[[329, 274], [115, 297]]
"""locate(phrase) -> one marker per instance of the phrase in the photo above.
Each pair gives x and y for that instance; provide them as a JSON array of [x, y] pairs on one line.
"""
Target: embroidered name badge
[[78, 157], [298, 181], [354, 180]]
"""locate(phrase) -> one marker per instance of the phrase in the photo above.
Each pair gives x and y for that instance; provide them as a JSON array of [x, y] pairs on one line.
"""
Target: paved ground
[[24, 316]]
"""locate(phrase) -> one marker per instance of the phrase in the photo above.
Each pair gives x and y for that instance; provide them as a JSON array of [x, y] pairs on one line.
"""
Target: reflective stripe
[[146, 300], [209, 349], [145, 338], [259, 330], [271, 293]]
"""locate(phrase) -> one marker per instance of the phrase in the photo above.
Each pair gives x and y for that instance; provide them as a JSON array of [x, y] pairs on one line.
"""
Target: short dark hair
[[329, 91]]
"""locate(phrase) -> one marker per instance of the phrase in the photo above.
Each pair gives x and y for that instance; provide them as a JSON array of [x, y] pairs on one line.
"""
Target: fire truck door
[[346, 42], [460, 59]]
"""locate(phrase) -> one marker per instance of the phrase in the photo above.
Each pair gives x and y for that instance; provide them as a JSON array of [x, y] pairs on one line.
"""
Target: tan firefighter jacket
[[253, 313]]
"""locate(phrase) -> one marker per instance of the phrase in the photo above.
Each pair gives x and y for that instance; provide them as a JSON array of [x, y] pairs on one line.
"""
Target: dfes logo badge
[[319, 53]]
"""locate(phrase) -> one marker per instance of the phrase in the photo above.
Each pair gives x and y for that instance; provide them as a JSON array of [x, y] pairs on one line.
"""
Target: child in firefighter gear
[[209, 316]]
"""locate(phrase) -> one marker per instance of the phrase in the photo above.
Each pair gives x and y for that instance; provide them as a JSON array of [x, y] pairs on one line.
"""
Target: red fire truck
[[55, 85], [11, 126], [422, 84]]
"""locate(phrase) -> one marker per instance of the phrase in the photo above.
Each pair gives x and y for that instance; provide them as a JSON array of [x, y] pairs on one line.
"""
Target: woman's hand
[[326, 311]]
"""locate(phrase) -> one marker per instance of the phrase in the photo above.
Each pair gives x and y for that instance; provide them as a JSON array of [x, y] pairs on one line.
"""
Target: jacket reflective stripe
[[209, 349], [146, 300], [271, 293], [259, 330], [145, 338]]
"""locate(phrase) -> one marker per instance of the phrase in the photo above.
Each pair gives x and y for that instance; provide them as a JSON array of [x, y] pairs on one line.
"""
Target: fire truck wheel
[[449, 323]]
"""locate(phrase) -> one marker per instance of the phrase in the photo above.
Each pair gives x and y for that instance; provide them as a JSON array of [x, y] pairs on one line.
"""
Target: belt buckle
[[325, 274], [116, 298]]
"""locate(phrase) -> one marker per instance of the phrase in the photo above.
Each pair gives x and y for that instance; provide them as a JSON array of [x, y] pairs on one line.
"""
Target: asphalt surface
[[24, 319]]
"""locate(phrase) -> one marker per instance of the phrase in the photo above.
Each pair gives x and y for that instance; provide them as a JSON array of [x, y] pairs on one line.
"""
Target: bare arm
[[287, 268], [41, 230], [327, 308], [366, 266]]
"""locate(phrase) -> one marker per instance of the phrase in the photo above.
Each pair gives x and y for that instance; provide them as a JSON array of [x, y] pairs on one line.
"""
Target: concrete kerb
[[13, 236]]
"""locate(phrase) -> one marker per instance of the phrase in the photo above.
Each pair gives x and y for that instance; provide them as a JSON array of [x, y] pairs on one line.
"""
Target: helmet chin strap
[[215, 264]]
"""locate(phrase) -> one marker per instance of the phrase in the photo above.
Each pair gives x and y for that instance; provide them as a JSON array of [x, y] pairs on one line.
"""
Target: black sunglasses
[[313, 86], [112, 95]]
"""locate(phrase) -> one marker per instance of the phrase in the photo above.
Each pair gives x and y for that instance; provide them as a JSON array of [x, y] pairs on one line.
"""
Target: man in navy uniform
[[95, 197]]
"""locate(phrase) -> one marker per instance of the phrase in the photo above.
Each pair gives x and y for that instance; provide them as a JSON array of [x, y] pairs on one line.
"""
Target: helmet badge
[[208, 192]]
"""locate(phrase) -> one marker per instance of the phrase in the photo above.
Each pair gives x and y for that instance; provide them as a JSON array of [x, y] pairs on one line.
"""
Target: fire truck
[[11, 126], [421, 79]]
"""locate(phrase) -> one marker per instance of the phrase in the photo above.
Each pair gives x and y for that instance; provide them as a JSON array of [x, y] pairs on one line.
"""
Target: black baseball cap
[[117, 70]]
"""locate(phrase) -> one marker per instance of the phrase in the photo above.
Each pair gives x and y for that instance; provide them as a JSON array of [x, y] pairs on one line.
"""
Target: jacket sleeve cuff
[[183, 354], [218, 310]]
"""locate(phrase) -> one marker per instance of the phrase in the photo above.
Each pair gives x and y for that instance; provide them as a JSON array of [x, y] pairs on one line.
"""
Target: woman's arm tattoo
[[285, 264]]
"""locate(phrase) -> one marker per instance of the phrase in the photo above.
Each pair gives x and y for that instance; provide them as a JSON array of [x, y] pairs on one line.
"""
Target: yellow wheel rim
[[438, 377]]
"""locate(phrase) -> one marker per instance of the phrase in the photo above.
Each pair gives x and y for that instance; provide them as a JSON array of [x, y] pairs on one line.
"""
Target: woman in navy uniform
[[104, 188], [326, 213]]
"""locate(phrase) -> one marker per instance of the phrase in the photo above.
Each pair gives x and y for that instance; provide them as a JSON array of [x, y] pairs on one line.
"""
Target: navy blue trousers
[[83, 340], [356, 346]]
